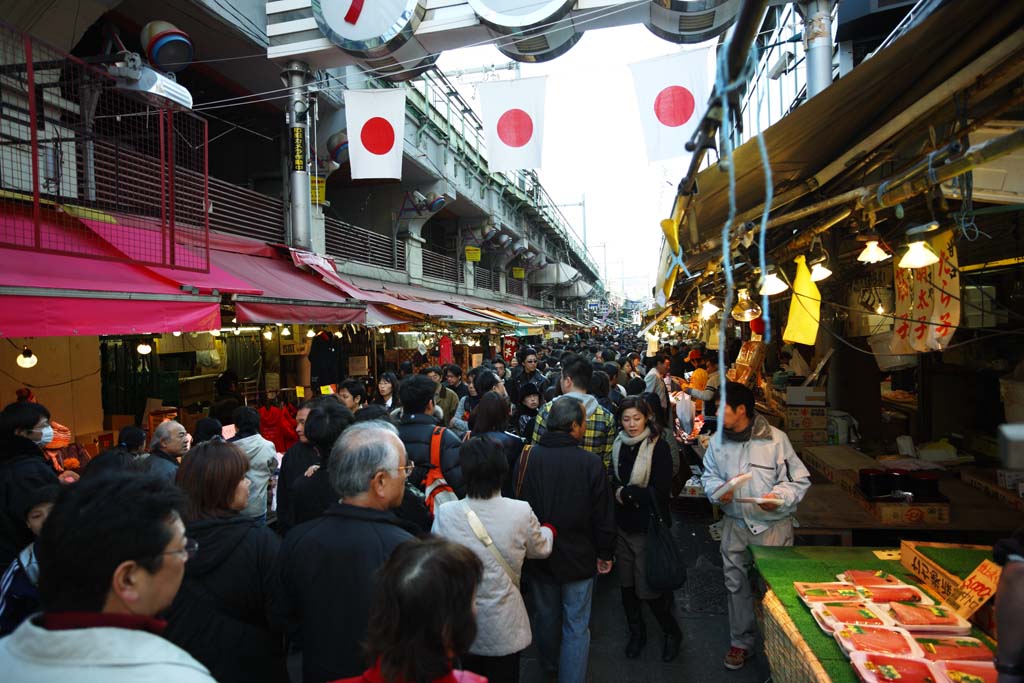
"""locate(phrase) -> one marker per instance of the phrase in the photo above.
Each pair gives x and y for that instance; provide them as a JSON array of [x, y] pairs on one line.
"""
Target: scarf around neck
[[641, 474]]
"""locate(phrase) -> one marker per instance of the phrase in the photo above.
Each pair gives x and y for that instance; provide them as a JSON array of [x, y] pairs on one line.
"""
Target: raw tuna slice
[[950, 648], [878, 668], [889, 593], [968, 672], [878, 639], [826, 592], [920, 615], [869, 577]]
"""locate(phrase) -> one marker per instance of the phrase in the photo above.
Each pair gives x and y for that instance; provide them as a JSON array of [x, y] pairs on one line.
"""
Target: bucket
[[1011, 391]]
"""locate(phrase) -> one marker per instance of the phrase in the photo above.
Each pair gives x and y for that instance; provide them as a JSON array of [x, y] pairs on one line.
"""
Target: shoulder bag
[[666, 570], [481, 533]]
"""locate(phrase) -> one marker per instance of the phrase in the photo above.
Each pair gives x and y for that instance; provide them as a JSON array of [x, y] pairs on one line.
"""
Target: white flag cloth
[[375, 123], [672, 93], [513, 114]]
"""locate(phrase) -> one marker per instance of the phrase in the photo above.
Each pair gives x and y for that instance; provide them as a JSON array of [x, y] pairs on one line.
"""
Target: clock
[[368, 28], [514, 15]]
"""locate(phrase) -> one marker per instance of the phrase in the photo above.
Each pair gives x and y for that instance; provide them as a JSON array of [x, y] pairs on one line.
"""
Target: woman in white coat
[[503, 533]]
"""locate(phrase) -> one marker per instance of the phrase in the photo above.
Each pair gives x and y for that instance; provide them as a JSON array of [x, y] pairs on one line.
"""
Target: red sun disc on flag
[[515, 128], [377, 136], [674, 106]]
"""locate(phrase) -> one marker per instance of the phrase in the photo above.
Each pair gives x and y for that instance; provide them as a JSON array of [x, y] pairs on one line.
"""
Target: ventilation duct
[[537, 31], [691, 21]]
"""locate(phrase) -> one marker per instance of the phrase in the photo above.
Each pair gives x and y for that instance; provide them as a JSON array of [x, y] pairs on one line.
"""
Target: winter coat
[[228, 612], [448, 401], [415, 432], [520, 380], [311, 496], [262, 463], [512, 446], [503, 626], [631, 518], [19, 590], [600, 434], [374, 675], [161, 465], [770, 458], [328, 570], [95, 655], [526, 419], [23, 469], [567, 487], [294, 464], [278, 427]]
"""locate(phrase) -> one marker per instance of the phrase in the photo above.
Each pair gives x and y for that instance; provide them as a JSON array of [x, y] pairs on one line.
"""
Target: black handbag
[[666, 570]]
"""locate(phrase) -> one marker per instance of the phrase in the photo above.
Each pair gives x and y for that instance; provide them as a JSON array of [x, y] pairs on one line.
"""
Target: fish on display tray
[[830, 614], [888, 640], [928, 618], [894, 593], [835, 591], [873, 667], [868, 577], [967, 672], [953, 648]]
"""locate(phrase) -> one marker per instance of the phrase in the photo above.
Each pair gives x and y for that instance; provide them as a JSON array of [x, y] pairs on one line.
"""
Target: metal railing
[[351, 243], [240, 211], [484, 278], [442, 267], [514, 286]]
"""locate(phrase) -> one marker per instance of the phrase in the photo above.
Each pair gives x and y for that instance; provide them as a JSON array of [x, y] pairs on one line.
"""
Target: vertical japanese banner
[[922, 297], [903, 281], [946, 291]]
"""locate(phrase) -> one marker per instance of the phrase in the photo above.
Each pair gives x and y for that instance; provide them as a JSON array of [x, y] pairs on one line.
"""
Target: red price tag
[[976, 589]]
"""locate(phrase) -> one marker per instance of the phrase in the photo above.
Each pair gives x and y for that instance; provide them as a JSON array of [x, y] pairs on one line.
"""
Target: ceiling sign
[[506, 15], [368, 28]]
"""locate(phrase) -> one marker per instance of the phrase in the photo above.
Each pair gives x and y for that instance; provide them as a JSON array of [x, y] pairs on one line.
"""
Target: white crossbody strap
[[481, 532]]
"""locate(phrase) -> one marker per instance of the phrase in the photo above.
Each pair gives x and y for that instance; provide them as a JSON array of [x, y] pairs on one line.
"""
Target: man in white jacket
[[751, 446], [111, 556]]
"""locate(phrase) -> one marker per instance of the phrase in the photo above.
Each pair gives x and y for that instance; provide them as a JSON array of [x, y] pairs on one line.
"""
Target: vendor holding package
[[777, 482]]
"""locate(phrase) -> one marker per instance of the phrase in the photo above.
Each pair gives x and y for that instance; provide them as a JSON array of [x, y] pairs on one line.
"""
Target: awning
[[460, 308], [289, 295]]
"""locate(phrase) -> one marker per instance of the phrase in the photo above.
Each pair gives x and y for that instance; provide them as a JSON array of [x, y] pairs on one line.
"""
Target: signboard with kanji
[[927, 310]]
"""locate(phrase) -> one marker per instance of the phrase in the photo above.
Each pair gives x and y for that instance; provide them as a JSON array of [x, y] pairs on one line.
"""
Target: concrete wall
[[77, 404]]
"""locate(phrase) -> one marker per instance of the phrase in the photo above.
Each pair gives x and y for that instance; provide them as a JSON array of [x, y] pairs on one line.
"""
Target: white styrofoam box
[[806, 396], [1008, 479], [1011, 446]]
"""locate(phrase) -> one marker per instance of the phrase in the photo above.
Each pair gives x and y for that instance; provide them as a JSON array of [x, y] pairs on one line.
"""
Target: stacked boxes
[[806, 416]]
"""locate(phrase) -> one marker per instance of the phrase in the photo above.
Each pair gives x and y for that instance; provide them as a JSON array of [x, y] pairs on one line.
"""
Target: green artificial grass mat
[[780, 567], [957, 561]]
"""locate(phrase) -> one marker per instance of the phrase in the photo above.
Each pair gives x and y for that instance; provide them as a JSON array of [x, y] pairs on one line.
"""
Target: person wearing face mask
[[60, 437], [24, 431]]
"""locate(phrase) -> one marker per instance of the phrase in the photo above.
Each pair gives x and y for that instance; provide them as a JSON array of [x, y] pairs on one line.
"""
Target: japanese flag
[[375, 121], [513, 113], [672, 93]]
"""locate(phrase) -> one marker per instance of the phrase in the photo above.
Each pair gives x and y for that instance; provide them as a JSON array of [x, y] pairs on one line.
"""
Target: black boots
[[662, 609], [634, 617]]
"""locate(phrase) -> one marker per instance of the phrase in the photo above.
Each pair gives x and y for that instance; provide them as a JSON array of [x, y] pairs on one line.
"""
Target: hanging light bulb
[[286, 331], [772, 284], [27, 359], [144, 348], [879, 309], [214, 333], [872, 253], [337, 333], [268, 334], [177, 334], [745, 309], [237, 331], [819, 272], [708, 309], [919, 253], [817, 259], [310, 333]]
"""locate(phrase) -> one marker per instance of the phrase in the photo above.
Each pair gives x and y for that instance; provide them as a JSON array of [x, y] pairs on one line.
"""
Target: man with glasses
[[348, 543], [111, 557], [526, 373]]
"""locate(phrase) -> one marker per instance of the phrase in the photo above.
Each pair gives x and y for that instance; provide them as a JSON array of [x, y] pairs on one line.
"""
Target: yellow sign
[[519, 273], [327, 389], [300, 392], [317, 189], [298, 149], [976, 588], [472, 254]]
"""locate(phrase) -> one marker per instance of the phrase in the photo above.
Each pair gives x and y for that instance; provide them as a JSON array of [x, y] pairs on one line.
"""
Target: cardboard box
[[985, 481], [806, 417], [807, 437], [806, 396], [1008, 479]]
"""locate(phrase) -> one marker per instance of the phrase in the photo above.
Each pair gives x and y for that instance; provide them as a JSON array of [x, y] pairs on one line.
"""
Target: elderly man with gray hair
[[170, 442], [329, 563]]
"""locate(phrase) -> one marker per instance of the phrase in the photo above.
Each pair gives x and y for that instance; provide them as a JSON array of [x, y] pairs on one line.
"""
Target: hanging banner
[[472, 254], [804, 308], [945, 279], [375, 121], [513, 116], [903, 281]]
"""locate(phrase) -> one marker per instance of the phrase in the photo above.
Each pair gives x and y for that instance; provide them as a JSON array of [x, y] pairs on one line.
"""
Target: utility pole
[[583, 205]]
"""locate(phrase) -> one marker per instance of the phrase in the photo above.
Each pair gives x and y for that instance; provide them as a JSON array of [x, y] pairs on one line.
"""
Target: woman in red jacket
[[422, 617]]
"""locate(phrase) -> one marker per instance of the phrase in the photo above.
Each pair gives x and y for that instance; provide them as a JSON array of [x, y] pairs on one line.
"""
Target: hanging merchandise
[[328, 362], [670, 91], [446, 355], [513, 114], [804, 307], [375, 121]]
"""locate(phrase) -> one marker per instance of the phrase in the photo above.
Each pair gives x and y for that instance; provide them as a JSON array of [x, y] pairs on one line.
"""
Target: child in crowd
[[526, 411], [19, 587]]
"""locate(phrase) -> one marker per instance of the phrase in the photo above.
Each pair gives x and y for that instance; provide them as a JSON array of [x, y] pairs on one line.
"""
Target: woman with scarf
[[641, 475]]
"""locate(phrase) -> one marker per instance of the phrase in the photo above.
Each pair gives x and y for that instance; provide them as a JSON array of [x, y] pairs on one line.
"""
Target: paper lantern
[[757, 326]]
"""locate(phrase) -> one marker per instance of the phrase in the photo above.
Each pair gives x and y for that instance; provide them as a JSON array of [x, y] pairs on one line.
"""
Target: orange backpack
[[435, 487]]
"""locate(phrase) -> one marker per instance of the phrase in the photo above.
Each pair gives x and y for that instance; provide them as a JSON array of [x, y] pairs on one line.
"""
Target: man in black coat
[[24, 429], [567, 487], [329, 564], [526, 373], [416, 430]]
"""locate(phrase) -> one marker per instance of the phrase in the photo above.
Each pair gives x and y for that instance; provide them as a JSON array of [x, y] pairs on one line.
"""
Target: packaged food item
[[928, 618], [888, 640], [868, 577], [872, 667], [894, 593], [967, 672], [826, 592], [830, 614], [954, 649]]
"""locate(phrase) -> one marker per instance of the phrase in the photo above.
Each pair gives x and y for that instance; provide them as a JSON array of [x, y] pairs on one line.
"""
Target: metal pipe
[[817, 16], [806, 237], [296, 75]]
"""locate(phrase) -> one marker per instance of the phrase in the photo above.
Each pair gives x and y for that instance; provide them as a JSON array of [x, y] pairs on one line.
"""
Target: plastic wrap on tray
[[888, 640], [835, 591], [868, 577], [953, 648], [894, 593], [830, 614], [928, 618], [967, 672], [872, 667]]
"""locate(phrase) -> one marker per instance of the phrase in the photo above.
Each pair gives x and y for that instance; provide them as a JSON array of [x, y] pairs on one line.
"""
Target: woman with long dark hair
[[227, 612], [387, 391], [641, 478]]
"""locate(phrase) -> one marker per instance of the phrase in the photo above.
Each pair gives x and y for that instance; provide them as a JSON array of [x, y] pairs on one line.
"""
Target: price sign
[[300, 392], [327, 389], [472, 254], [976, 589]]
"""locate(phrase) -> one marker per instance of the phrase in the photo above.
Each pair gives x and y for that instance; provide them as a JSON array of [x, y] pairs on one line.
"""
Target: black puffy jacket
[[229, 613], [23, 469], [415, 431]]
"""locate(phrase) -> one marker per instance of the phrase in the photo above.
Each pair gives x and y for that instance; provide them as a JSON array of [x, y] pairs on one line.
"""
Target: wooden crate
[[985, 481]]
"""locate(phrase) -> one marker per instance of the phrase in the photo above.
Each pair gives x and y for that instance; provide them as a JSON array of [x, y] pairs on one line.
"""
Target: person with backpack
[[425, 440]]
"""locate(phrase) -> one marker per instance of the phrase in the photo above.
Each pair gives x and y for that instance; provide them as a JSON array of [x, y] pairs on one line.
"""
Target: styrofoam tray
[[986, 671], [866, 665], [827, 619], [845, 634], [962, 626], [803, 586], [981, 651], [877, 593], [731, 485], [758, 501], [889, 579]]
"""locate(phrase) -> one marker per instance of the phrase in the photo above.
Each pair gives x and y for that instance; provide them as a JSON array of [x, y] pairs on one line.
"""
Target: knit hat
[[528, 389]]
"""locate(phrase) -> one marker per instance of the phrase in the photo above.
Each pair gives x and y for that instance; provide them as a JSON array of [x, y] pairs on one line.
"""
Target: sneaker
[[736, 658]]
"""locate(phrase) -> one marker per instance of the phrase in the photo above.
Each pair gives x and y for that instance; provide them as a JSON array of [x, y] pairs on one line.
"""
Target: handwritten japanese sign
[[927, 309], [946, 285], [976, 588]]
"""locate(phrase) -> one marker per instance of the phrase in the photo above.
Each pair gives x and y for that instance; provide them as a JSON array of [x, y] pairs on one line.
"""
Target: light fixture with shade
[[144, 348], [310, 333], [745, 309], [26, 359], [268, 334], [817, 259], [286, 331], [214, 333], [872, 253], [771, 283], [919, 253], [177, 334]]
